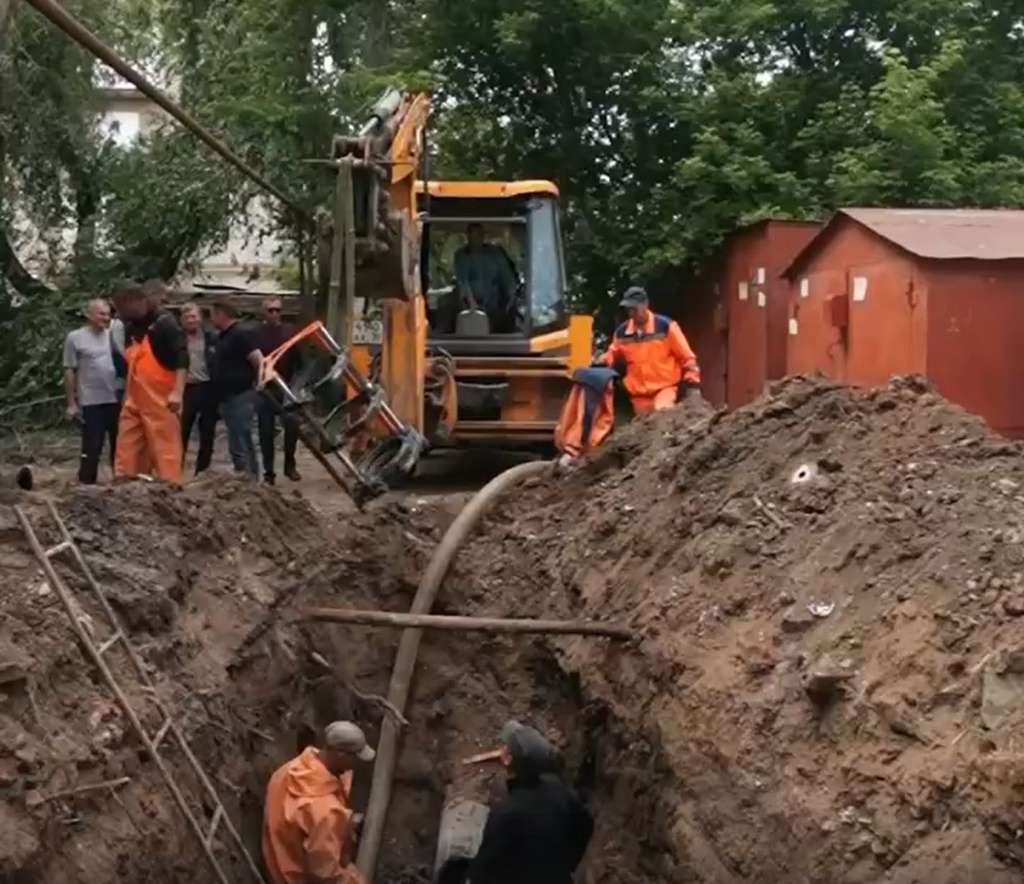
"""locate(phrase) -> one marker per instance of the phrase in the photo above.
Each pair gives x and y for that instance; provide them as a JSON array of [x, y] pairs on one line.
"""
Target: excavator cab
[[493, 275], [509, 246]]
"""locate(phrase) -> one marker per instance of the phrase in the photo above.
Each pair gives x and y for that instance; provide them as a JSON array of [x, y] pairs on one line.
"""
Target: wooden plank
[[471, 624]]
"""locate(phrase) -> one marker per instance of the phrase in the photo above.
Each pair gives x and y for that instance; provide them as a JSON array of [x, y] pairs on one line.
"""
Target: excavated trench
[[466, 688], [207, 580]]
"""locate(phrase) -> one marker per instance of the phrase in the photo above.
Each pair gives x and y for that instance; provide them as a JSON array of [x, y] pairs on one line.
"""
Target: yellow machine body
[[501, 389]]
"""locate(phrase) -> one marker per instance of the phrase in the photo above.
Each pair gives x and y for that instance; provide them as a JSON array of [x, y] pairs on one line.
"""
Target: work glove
[[689, 392], [618, 365]]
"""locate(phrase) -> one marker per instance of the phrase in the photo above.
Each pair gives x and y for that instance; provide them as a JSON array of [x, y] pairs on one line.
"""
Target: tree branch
[[16, 273]]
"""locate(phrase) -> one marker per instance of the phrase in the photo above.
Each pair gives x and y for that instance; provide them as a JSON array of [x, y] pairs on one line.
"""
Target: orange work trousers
[[148, 433], [661, 400]]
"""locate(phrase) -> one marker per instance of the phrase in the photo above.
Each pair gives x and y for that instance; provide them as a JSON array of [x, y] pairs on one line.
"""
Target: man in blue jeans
[[271, 335], [236, 362]]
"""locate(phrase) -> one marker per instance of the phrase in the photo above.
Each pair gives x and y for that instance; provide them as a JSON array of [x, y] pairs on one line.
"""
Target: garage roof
[[939, 234]]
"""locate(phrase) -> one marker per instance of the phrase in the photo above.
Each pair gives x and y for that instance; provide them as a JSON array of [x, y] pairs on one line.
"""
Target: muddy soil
[[830, 588], [829, 689], [207, 579]]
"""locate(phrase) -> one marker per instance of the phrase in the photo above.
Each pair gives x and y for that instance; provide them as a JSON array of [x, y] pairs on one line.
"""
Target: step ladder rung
[[110, 642], [158, 737], [58, 549], [214, 824]]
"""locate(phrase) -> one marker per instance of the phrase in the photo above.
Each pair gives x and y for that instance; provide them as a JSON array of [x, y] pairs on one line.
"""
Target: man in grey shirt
[[92, 387]]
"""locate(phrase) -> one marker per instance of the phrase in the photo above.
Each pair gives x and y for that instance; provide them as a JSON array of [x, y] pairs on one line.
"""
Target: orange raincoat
[[148, 433], [654, 361], [589, 413], [307, 824]]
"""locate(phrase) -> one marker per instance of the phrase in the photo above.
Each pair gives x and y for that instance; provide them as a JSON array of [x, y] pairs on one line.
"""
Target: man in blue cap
[[540, 830], [651, 354]]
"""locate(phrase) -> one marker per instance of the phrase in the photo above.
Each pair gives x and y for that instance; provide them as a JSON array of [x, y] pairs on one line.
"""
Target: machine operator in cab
[[485, 277], [652, 356]]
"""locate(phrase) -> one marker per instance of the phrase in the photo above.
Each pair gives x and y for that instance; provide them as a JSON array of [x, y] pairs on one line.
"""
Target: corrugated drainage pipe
[[408, 648]]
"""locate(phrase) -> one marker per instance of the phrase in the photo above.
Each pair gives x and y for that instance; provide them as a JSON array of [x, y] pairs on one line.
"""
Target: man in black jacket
[[540, 830], [236, 365]]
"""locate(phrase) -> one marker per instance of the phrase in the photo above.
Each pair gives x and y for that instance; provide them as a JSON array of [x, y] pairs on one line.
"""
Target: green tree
[[664, 124]]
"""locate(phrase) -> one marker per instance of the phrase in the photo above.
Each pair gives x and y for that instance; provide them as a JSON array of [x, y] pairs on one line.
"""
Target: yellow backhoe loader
[[409, 360]]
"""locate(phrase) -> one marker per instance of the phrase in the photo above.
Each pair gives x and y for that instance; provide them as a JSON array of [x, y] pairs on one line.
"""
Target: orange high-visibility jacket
[[656, 357], [307, 823]]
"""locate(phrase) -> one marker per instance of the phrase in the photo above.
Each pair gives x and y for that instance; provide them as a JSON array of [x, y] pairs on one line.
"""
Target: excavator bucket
[[335, 410], [589, 412]]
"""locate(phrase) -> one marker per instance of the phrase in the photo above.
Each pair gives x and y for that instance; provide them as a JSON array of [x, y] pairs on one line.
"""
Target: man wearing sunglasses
[[272, 334]]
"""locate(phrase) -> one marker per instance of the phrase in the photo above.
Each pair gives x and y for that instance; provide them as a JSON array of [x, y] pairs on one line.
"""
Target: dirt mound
[[830, 586], [830, 589]]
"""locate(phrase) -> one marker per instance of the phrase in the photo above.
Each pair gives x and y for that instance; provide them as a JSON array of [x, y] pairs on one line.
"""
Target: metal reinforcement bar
[[71, 26], [470, 624]]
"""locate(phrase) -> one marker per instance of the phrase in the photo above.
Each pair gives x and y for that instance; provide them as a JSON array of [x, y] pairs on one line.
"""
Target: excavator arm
[[387, 157], [364, 432]]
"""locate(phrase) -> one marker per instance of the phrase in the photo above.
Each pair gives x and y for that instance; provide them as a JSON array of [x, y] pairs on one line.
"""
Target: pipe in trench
[[408, 648]]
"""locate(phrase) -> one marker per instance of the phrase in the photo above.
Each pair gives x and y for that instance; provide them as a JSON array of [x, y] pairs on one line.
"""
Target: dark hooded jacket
[[536, 835]]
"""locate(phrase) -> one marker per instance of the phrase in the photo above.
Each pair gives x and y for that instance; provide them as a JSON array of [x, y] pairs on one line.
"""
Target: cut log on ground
[[470, 624]]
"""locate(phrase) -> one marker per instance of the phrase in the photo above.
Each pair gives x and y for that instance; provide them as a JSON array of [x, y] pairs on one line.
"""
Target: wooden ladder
[[205, 832]]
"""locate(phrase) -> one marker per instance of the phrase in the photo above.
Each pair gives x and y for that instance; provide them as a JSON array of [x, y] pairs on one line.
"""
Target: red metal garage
[[756, 298], [734, 311], [694, 304], [881, 292]]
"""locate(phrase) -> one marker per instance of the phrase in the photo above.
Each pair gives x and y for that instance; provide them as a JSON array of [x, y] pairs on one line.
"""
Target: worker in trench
[[652, 356], [539, 832], [308, 824], [149, 427]]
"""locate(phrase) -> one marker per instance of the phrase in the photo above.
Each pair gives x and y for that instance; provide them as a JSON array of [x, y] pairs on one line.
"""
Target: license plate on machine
[[367, 331]]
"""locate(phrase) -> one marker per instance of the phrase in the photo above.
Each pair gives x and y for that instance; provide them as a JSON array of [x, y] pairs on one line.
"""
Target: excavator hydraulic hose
[[408, 648]]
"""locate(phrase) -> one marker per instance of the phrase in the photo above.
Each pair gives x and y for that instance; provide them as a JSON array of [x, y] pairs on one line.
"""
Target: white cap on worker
[[344, 736]]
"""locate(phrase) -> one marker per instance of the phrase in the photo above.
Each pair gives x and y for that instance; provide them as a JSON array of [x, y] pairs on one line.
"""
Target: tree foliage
[[664, 123]]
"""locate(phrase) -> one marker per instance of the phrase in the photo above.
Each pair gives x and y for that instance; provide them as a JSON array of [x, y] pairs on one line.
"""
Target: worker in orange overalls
[[149, 430], [653, 357], [307, 820]]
